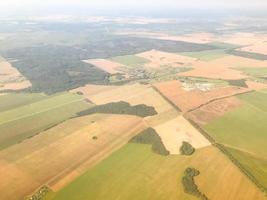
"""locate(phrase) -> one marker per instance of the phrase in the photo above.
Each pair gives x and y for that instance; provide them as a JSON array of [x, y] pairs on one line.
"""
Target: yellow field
[[260, 48], [177, 130], [134, 94], [106, 65], [160, 58], [57, 156], [10, 78], [136, 173]]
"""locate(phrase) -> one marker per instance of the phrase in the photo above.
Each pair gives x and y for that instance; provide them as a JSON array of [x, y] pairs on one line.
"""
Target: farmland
[[188, 100], [28, 120], [145, 169], [51, 161], [207, 55], [130, 60], [11, 79], [133, 108], [242, 130]]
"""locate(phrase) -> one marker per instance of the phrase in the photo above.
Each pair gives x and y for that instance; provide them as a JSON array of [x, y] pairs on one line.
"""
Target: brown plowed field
[[187, 100], [213, 110]]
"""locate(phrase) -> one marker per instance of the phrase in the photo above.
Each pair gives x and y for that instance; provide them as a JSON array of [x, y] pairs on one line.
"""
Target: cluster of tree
[[238, 83], [150, 136], [187, 149], [189, 184], [224, 150], [121, 107], [246, 54], [56, 68], [40, 194]]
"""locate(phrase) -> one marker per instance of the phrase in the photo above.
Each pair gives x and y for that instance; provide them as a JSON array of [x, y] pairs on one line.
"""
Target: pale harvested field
[[256, 85], [187, 100], [243, 39], [10, 78], [106, 65], [177, 130], [160, 58], [89, 90], [213, 110], [260, 48], [236, 61], [220, 179], [134, 94], [214, 70], [57, 156]]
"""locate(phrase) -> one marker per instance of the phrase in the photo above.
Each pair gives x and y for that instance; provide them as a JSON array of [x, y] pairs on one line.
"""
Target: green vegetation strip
[[245, 54], [121, 107], [207, 55], [234, 160], [40, 194], [28, 120], [12, 101], [150, 136], [256, 72], [189, 184]]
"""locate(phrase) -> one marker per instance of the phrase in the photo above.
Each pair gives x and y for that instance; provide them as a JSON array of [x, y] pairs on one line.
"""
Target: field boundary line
[[43, 111], [219, 146], [219, 98], [236, 162], [166, 99]]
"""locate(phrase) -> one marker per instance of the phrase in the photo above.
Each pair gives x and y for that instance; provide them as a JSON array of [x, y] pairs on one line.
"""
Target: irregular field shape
[[10, 78], [134, 94], [106, 65], [177, 130]]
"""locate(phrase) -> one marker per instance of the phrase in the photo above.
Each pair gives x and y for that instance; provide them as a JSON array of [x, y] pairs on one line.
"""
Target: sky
[[17, 5]]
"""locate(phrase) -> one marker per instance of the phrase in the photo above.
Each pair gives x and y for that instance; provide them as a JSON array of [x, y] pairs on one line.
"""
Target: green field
[[130, 60], [206, 55], [133, 172], [11, 101], [224, 45], [256, 72], [252, 163], [27, 120], [136, 173], [244, 129]]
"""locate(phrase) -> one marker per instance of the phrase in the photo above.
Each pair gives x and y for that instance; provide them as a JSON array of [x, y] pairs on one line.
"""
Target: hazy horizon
[[31, 7]]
